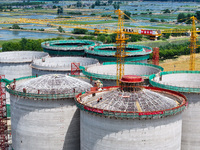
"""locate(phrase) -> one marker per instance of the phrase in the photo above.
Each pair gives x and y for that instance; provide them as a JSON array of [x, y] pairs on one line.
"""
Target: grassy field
[[175, 40], [156, 16], [7, 19], [162, 26], [87, 22], [43, 11], [181, 63]]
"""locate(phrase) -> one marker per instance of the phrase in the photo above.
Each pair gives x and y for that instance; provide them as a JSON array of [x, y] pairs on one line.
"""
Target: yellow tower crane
[[121, 43], [193, 45], [193, 40]]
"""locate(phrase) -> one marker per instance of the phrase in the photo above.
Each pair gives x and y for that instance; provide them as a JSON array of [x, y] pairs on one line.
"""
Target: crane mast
[[193, 46], [120, 45]]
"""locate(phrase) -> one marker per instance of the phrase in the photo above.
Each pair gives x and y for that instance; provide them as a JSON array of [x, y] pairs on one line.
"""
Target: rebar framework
[[47, 87], [113, 103], [3, 116]]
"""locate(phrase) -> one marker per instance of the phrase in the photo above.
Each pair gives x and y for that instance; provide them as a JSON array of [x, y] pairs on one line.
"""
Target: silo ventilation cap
[[131, 79]]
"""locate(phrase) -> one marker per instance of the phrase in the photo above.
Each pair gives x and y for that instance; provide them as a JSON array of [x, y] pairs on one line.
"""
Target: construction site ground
[[180, 63]]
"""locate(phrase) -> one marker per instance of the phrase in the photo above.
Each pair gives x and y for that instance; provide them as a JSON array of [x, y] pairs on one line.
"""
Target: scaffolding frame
[[155, 59], [3, 116], [75, 68]]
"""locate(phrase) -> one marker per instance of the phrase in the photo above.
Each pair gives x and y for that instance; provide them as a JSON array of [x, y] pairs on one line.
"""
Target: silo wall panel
[[109, 82], [44, 124], [190, 127], [113, 82], [142, 61], [100, 133], [15, 70], [44, 72]]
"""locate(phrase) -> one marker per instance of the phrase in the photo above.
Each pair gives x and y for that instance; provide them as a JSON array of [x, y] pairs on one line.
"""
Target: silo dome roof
[[141, 101], [53, 84], [148, 102]]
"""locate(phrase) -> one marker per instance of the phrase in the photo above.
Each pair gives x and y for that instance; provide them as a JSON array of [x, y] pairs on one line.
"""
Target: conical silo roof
[[53, 84], [138, 101]]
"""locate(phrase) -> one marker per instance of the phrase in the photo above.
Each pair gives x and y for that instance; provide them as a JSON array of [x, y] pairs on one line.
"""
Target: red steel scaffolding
[[75, 68], [3, 117], [155, 59]]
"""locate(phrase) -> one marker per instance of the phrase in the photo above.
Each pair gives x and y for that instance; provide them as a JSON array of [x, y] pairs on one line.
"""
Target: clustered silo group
[[97, 50], [44, 113]]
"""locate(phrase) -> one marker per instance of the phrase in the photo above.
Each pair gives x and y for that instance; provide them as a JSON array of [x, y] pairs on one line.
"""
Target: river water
[[8, 35]]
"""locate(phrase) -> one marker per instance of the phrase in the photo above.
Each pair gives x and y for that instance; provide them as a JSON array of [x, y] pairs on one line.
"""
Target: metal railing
[[174, 88], [132, 114], [114, 77]]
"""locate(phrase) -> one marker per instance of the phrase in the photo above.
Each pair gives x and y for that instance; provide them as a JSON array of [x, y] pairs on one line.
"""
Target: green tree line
[[182, 17], [25, 45], [171, 51]]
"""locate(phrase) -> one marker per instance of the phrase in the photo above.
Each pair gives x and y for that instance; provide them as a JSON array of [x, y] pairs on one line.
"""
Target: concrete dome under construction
[[188, 83], [59, 65], [131, 117], [67, 47], [106, 52], [107, 71], [43, 112]]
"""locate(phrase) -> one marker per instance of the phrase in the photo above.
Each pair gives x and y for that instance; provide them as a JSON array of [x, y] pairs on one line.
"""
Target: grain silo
[[188, 83], [59, 65], [106, 53], [16, 64], [43, 112], [131, 117], [106, 72], [67, 47]]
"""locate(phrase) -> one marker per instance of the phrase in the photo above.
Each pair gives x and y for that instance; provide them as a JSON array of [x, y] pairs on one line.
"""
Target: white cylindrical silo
[[131, 117], [59, 65], [188, 83], [43, 112], [16, 64]]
